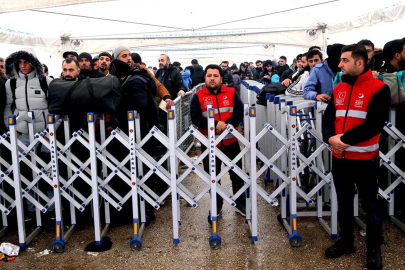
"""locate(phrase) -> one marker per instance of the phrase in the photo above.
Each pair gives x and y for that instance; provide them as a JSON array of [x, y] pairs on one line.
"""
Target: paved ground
[[272, 251]]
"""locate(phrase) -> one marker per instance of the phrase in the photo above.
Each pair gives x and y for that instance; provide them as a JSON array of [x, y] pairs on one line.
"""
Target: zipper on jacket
[[26, 93], [347, 111], [219, 114], [43, 114]]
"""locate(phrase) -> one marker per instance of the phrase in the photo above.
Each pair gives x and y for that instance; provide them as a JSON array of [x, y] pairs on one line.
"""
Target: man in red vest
[[228, 110], [352, 125]]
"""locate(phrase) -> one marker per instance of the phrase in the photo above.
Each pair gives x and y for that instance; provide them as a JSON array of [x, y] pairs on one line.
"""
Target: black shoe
[[374, 259], [340, 248], [29, 216], [241, 210]]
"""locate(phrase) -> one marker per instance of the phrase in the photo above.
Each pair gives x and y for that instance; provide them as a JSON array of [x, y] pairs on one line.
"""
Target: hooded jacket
[[172, 80], [198, 76], [186, 78], [29, 94]]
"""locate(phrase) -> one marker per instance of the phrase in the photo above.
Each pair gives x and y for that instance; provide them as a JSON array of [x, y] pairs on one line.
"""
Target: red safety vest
[[351, 115], [223, 105]]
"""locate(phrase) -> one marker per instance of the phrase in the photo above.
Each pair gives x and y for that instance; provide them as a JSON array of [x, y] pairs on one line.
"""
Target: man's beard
[[216, 87], [70, 79], [161, 66]]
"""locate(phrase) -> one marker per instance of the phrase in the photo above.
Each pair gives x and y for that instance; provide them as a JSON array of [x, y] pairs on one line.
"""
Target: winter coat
[[198, 76], [227, 78], [172, 80], [3, 128], [256, 73], [94, 73], [29, 94], [297, 87], [236, 83], [186, 79], [264, 73]]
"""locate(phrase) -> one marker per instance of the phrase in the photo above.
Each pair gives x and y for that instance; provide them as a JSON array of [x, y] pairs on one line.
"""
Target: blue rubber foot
[[215, 242], [176, 241], [317, 219], [23, 246], [333, 236], [98, 243], [135, 244], [254, 239]]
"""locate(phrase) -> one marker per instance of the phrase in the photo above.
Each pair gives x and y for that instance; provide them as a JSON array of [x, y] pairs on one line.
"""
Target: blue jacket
[[320, 81], [186, 78]]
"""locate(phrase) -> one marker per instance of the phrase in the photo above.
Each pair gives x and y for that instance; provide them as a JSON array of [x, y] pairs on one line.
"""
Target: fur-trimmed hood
[[12, 67]]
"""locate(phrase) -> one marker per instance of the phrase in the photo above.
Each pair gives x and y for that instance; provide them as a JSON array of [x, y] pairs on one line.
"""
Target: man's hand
[[337, 145], [18, 134], [322, 97], [221, 126], [267, 77], [375, 72], [182, 93], [169, 103], [286, 82]]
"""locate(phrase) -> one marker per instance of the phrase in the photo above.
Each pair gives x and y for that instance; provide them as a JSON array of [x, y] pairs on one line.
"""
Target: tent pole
[[324, 40]]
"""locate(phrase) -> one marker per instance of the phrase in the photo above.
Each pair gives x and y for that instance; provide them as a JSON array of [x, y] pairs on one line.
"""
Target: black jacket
[[264, 73], [227, 78], [377, 114], [198, 76], [256, 74], [172, 80]]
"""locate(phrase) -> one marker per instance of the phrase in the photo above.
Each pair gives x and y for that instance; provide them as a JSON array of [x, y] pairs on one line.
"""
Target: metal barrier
[[285, 136]]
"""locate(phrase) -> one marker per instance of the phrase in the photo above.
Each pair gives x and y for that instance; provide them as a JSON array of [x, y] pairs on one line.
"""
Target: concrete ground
[[272, 251]]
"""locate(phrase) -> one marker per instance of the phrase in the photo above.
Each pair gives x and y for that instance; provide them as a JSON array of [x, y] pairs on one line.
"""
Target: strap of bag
[[44, 85], [13, 86], [91, 92], [68, 95]]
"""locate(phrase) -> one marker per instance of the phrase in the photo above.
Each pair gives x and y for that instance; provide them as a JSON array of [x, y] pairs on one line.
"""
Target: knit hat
[[194, 62], [65, 54], [87, 56], [136, 58], [105, 54], [95, 58], [119, 49]]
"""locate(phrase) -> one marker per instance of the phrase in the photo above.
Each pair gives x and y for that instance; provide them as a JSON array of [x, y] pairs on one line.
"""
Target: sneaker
[[374, 259], [340, 248], [241, 210]]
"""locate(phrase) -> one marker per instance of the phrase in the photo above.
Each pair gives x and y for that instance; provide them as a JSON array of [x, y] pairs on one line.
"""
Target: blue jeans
[[362, 173], [49, 192]]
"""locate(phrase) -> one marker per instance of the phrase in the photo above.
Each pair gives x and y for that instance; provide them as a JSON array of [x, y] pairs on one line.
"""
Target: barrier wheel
[[135, 245], [295, 241], [215, 244], [279, 219], [58, 248]]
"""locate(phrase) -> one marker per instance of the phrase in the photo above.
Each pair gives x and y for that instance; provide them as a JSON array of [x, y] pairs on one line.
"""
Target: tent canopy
[[211, 26]]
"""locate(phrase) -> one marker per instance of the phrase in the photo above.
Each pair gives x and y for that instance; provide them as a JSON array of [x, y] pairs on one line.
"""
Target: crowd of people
[[358, 105]]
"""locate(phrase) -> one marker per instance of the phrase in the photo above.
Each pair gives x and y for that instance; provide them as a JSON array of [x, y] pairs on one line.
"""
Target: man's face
[[348, 65], [242, 68], [370, 52], [163, 63], [314, 60], [104, 63], [304, 62], [85, 64], [154, 71], [269, 68], [281, 62], [401, 56], [224, 66], [299, 63], [1, 68], [213, 79], [95, 64], [125, 56], [259, 65], [251, 66], [71, 56], [24, 66], [70, 71]]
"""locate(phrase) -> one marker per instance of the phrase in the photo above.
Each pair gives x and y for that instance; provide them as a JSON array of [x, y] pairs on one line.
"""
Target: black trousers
[[230, 151], [349, 174]]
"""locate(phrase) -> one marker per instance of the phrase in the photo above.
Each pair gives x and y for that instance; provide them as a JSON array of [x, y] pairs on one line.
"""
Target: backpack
[[13, 85], [396, 83], [273, 89]]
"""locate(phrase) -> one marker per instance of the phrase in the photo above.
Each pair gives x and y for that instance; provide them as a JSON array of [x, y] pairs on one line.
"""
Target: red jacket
[[223, 103], [351, 102]]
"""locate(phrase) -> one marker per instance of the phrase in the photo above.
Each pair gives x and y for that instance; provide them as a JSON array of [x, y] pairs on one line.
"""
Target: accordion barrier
[[281, 141]]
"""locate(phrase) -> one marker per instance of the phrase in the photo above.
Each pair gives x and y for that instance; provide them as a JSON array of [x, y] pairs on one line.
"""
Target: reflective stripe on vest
[[222, 110], [351, 113], [363, 149]]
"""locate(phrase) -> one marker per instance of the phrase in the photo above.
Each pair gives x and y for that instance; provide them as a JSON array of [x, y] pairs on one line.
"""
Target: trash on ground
[[43, 253], [274, 223], [362, 233], [30, 250], [93, 254], [9, 249], [6, 258]]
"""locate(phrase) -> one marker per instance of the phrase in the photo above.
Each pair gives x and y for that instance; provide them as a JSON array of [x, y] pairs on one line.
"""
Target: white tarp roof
[[208, 26]]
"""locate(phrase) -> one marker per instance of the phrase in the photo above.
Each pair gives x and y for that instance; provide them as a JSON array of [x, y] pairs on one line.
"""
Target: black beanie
[[136, 58], [105, 54], [86, 55], [65, 54], [334, 52], [119, 68]]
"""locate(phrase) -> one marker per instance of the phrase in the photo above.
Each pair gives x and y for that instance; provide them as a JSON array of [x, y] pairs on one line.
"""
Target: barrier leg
[[248, 167], [214, 240], [253, 176]]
